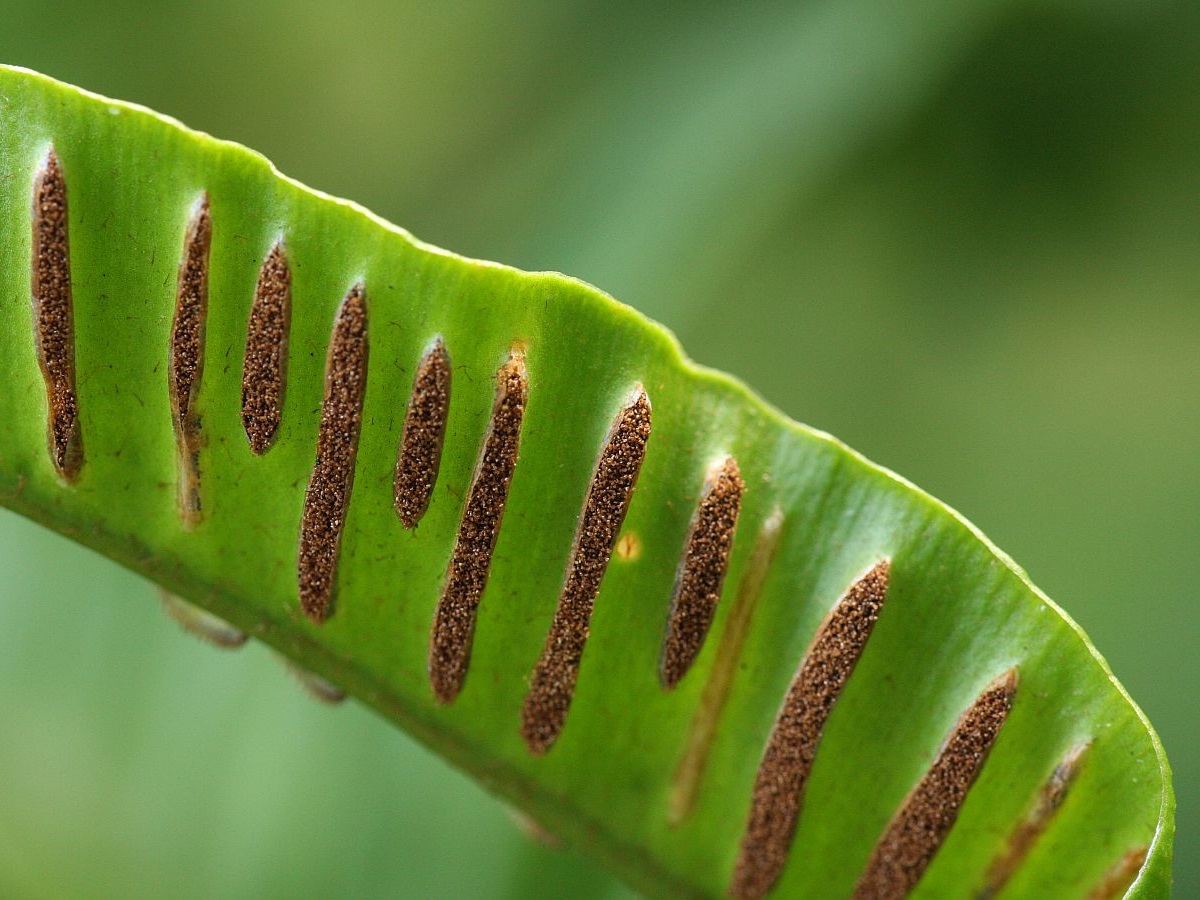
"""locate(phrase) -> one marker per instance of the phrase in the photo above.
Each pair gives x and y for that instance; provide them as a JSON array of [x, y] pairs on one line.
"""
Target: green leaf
[[142, 453]]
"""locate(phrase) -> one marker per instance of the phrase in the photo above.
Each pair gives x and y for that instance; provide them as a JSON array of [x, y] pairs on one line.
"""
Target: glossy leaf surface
[[958, 615]]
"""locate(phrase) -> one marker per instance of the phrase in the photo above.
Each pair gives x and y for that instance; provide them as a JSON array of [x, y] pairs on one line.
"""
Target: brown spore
[[792, 746], [264, 374], [687, 778], [554, 676], [917, 831], [186, 362], [53, 317], [420, 451], [701, 571], [328, 495], [1023, 838], [467, 574], [1120, 877]]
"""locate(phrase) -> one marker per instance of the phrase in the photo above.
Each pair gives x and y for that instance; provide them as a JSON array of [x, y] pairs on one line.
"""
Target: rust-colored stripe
[[554, 676], [701, 571], [327, 498], [466, 577], [1118, 879], [53, 317], [716, 690], [420, 452], [917, 831], [264, 375], [186, 363], [792, 746], [1023, 838]]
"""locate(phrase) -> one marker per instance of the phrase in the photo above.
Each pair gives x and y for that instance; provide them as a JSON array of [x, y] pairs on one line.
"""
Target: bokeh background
[[963, 236]]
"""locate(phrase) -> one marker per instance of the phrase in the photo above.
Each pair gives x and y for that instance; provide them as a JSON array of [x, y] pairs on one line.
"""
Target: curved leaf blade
[[959, 613]]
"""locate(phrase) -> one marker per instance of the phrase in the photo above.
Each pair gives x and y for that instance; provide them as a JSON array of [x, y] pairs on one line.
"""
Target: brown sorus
[[701, 571], [327, 498], [264, 375], [915, 834], [53, 317], [1023, 838], [420, 450], [792, 746], [554, 676], [186, 363], [466, 577]]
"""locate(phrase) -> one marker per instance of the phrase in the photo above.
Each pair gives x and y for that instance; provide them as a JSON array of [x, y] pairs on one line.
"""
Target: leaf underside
[[811, 517]]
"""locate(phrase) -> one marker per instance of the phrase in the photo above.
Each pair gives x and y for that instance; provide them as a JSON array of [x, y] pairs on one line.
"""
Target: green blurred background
[[963, 236]]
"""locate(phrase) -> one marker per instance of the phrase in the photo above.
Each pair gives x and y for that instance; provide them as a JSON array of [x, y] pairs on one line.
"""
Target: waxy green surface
[[959, 613]]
